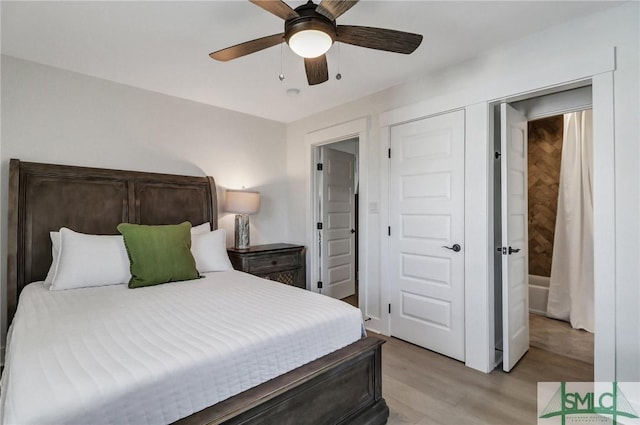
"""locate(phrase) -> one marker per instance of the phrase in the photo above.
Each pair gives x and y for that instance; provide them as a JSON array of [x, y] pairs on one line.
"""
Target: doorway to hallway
[[337, 224]]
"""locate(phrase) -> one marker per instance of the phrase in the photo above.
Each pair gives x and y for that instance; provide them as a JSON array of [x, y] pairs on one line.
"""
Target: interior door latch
[[504, 250], [454, 248]]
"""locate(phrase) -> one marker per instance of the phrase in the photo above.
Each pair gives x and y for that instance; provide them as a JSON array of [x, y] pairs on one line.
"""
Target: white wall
[[577, 50], [55, 116]]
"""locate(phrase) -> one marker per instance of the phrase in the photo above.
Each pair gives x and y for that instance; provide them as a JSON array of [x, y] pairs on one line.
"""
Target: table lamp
[[243, 203]]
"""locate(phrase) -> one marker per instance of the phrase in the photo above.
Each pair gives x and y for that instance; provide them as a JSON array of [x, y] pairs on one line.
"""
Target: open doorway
[[560, 214], [337, 219], [551, 222]]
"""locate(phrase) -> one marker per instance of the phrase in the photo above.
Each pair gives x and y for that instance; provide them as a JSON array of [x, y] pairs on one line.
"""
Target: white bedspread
[[113, 355]]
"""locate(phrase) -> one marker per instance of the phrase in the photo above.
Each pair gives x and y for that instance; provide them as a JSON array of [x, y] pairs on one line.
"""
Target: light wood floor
[[422, 387], [352, 299], [560, 338]]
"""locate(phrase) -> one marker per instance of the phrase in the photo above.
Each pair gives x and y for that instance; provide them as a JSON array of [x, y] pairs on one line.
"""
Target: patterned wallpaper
[[545, 148]]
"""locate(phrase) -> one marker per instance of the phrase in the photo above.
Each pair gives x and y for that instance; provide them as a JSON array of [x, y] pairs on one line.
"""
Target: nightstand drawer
[[270, 263], [284, 263]]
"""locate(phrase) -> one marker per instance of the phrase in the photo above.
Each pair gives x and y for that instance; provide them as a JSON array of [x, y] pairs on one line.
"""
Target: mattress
[[113, 355]]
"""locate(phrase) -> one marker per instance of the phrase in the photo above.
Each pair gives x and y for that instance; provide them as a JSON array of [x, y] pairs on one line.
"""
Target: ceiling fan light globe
[[310, 43]]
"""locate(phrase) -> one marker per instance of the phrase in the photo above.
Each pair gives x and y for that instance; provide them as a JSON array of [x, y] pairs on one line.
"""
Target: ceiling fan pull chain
[[338, 75], [281, 76]]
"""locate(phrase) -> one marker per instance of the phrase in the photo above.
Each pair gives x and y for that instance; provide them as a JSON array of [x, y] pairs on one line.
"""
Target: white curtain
[[571, 284]]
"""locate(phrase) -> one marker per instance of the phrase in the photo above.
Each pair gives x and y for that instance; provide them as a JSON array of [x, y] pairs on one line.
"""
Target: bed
[[340, 387]]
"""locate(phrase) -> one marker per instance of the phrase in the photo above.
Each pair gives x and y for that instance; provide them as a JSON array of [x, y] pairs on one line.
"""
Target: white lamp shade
[[310, 43], [242, 202]]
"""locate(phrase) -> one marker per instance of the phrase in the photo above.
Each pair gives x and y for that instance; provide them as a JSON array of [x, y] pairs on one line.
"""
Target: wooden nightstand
[[281, 262]]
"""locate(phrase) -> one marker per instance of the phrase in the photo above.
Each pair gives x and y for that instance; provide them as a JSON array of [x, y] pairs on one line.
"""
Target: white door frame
[[604, 220], [569, 103], [353, 129], [479, 326]]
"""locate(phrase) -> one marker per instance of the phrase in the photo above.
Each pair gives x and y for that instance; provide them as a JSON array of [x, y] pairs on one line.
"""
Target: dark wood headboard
[[45, 197]]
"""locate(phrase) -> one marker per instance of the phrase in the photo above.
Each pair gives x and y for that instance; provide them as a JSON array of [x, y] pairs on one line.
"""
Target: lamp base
[[242, 231]]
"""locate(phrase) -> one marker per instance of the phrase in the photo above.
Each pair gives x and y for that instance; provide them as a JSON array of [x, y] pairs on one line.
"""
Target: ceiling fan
[[311, 29]]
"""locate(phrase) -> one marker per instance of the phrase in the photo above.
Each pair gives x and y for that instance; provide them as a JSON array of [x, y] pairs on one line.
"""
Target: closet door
[[426, 217]]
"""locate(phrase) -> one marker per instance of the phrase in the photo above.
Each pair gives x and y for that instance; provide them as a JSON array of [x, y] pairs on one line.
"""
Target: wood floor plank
[[560, 338], [401, 413], [422, 387], [425, 405]]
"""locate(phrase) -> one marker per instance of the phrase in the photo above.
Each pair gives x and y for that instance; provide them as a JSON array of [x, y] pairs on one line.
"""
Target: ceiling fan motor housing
[[309, 19]]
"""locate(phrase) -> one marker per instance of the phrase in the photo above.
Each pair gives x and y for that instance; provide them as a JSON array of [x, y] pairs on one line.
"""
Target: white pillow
[[90, 260], [201, 228], [210, 251], [55, 249]]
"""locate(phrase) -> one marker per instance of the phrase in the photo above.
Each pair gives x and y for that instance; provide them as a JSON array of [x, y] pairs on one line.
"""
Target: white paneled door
[[515, 267], [426, 217], [338, 221]]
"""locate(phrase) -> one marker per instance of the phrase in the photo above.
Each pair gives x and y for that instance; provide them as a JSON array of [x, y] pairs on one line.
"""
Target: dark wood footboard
[[344, 387]]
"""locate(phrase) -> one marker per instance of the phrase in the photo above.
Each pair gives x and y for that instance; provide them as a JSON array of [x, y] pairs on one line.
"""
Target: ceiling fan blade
[[332, 9], [277, 7], [317, 71], [379, 38], [247, 47]]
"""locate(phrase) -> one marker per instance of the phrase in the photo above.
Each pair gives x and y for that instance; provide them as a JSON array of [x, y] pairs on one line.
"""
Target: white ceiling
[[163, 46]]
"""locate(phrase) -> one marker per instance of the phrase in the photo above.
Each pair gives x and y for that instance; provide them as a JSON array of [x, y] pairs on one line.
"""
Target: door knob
[[454, 248], [353, 231], [512, 250]]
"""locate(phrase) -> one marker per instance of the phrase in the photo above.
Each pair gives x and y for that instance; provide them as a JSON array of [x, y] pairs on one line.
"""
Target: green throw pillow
[[158, 254]]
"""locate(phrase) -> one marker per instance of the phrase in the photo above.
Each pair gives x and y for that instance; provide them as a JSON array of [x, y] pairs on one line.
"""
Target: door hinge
[[389, 308], [497, 155], [389, 153], [319, 284], [319, 226], [319, 166], [389, 230]]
